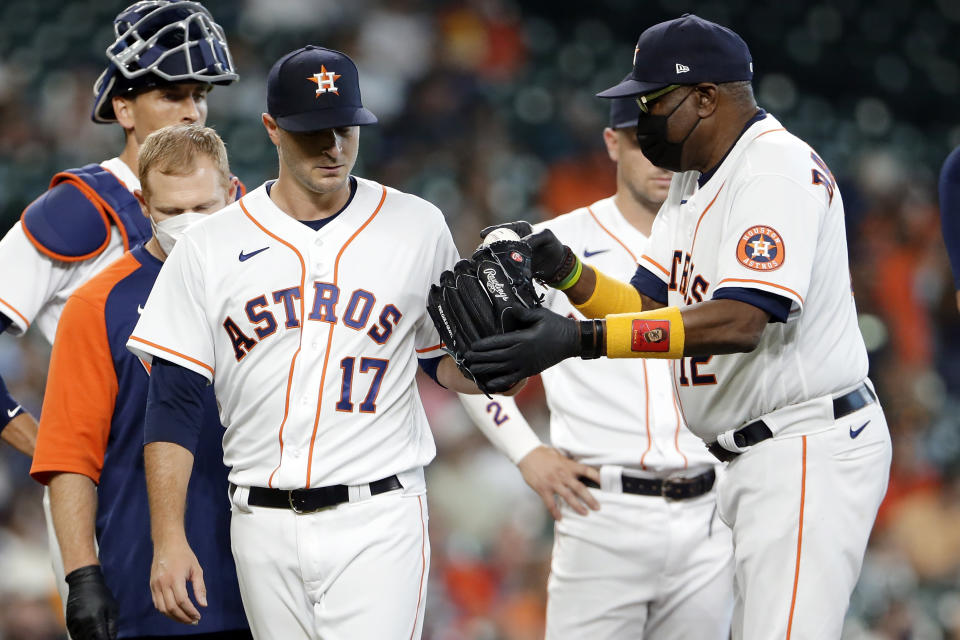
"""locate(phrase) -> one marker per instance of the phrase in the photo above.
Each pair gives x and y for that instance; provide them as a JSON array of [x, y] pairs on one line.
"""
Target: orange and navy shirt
[[92, 424]]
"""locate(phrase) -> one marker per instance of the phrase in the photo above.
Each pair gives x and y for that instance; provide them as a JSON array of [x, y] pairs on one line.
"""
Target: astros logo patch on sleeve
[[761, 249]]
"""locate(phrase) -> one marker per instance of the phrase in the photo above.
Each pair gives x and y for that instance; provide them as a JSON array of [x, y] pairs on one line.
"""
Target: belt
[[672, 487], [758, 431], [309, 500]]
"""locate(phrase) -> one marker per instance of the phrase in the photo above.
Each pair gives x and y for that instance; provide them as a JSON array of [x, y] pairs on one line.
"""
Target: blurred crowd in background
[[487, 110]]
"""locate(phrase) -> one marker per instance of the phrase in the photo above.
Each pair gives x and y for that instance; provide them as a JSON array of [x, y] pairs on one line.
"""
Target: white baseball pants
[[801, 508], [641, 567], [357, 571]]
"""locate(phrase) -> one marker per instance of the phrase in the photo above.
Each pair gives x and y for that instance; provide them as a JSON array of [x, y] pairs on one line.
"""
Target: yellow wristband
[[610, 296], [648, 334]]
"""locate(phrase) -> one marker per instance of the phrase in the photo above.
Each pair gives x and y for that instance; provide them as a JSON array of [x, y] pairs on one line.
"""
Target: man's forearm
[[501, 421], [21, 433], [168, 467], [450, 376], [722, 326], [73, 503], [596, 295], [707, 328]]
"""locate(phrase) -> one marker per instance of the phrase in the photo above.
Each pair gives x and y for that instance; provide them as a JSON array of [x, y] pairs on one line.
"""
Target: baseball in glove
[[473, 300]]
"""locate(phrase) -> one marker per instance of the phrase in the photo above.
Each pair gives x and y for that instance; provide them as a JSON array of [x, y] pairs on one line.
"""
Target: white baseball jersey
[[310, 337], [35, 291], [770, 219], [39, 290], [602, 411]]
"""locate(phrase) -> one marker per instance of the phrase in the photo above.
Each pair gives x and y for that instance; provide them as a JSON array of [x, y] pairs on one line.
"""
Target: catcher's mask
[[161, 42]]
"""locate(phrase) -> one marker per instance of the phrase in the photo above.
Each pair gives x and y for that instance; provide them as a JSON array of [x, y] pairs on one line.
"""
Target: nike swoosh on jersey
[[855, 432], [247, 256], [139, 310], [587, 253], [12, 412]]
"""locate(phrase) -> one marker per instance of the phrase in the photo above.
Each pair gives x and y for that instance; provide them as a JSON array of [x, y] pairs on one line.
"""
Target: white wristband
[[501, 421]]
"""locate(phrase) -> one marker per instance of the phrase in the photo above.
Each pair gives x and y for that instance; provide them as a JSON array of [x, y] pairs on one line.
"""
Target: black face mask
[[652, 138]]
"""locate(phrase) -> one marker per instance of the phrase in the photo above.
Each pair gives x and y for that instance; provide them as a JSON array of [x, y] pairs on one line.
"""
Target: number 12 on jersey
[[697, 377], [369, 404]]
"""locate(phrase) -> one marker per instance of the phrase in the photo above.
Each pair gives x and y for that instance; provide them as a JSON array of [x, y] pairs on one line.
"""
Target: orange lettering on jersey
[[382, 331], [685, 275], [325, 300], [674, 265], [257, 317], [263, 322], [358, 309], [690, 282], [242, 344], [823, 176], [761, 249], [698, 290], [288, 296]]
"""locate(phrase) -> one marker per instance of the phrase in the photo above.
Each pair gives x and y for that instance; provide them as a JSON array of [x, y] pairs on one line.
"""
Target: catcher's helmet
[[159, 42]]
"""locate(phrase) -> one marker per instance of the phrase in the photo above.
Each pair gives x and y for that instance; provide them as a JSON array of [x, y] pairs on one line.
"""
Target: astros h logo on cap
[[325, 81], [313, 88]]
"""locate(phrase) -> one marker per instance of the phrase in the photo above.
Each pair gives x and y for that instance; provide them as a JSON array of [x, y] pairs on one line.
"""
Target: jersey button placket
[[317, 257]]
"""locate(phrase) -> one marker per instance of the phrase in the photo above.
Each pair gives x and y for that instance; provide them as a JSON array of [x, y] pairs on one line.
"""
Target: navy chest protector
[[71, 221]]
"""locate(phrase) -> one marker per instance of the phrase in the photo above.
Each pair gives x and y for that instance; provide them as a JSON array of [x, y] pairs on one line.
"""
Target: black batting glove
[[543, 339], [91, 609], [552, 260]]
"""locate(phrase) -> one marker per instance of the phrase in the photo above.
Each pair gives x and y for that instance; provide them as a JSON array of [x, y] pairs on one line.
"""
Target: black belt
[[671, 487], [758, 431], [307, 500]]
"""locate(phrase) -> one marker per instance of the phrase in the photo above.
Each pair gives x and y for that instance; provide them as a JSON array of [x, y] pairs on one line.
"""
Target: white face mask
[[168, 231]]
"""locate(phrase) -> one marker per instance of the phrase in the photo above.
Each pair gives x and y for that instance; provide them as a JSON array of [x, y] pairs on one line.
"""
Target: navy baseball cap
[[686, 50], [624, 112], [315, 88]]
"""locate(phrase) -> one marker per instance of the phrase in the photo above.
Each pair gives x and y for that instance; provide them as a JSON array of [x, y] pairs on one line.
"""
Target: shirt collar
[[757, 117]]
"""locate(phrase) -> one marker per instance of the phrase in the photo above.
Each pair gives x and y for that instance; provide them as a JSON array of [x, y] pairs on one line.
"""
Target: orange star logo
[[325, 81]]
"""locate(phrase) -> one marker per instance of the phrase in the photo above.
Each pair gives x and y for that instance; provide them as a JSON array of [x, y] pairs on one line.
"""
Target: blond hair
[[173, 151]]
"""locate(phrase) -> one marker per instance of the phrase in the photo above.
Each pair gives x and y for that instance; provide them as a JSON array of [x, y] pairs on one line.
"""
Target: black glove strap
[[592, 339], [89, 573], [566, 266]]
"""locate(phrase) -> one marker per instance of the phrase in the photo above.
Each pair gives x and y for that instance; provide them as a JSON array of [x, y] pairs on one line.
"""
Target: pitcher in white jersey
[[747, 291], [89, 217], [654, 561], [304, 304]]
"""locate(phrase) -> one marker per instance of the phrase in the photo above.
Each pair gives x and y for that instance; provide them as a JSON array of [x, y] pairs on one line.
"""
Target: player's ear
[[123, 109], [273, 129], [138, 194], [234, 185], [706, 96], [613, 143]]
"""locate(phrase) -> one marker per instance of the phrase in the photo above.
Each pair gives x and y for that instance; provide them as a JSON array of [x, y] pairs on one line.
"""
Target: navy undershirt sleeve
[[950, 211], [174, 405], [649, 285], [776, 305], [9, 408], [429, 366]]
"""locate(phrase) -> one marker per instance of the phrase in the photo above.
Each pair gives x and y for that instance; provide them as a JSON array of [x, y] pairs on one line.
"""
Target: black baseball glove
[[552, 261], [472, 301]]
